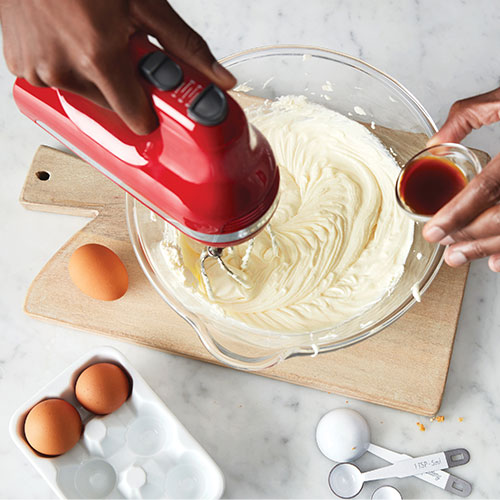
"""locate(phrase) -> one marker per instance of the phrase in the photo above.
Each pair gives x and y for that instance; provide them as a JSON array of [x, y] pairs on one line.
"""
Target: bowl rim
[[311, 48], [313, 348]]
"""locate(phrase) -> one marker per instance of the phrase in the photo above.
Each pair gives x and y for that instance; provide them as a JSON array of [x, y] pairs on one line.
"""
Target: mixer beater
[[216, 253], [240, 278]]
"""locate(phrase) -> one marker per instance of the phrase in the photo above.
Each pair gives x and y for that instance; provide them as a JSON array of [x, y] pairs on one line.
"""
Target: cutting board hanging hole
[[43, 175]]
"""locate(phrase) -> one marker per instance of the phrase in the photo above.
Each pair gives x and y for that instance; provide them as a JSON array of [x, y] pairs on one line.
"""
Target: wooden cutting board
[[405, 366]]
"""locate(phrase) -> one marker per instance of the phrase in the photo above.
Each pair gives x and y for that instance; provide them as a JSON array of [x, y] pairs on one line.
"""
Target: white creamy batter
[[340, 241]]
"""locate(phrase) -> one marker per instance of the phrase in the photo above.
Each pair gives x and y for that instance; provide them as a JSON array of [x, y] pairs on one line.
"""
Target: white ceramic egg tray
[[139, 451]]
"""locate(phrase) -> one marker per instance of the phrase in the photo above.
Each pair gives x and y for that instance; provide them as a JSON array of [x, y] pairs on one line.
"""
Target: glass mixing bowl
[[351, 87]]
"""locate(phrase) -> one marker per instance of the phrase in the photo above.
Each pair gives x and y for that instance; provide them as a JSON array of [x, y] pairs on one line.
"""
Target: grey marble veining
[[261, 432]]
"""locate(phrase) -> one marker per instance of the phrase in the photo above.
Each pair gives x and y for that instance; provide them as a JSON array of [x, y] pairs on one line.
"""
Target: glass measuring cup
[[432, 177]]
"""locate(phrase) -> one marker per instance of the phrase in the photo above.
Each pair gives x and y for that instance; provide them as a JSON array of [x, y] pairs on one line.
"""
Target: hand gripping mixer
[[205, 169]]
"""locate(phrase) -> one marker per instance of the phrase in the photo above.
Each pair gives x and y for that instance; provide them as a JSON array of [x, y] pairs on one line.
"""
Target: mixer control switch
[[161, 71], [209, 107]]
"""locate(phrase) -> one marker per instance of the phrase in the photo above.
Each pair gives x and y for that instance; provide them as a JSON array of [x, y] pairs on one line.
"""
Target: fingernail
[[456, 258], [434, 234], [495, 265], [447, 241], [222, 73]]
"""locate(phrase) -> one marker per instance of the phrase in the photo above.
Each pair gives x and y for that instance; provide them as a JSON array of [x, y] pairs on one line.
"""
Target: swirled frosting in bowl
[[338, 241]]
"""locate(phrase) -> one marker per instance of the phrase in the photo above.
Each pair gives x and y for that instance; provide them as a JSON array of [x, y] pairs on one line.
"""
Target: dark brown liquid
[[430, 183]]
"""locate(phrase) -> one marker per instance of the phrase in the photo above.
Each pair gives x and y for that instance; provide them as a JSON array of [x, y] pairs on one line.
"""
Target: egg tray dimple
[[139, 451]]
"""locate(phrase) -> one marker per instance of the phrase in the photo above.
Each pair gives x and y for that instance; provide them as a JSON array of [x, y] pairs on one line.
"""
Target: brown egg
[[102, 388], [53, 427], [97, 271]]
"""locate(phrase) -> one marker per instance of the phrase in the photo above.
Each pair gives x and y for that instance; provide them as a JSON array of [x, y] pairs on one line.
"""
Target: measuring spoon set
[[343, 435]]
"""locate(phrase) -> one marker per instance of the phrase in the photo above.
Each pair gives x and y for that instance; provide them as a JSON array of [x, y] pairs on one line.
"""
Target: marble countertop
[[260, 431]]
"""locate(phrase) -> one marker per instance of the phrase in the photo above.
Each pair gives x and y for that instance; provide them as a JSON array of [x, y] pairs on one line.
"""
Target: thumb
[[468, 114]]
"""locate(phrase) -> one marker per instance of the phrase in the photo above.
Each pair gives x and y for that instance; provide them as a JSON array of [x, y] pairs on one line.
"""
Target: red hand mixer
[[205, 169]]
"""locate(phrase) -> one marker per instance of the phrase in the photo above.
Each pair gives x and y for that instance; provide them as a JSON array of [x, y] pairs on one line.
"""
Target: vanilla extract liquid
[[430, 183]]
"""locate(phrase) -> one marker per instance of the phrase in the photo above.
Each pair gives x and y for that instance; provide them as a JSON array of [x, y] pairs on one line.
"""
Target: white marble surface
[[261, 432]]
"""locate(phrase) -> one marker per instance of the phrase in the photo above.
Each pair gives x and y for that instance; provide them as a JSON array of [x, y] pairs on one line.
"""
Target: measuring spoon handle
[[460, 456], [385, 454], [439, 478], [419, 465]]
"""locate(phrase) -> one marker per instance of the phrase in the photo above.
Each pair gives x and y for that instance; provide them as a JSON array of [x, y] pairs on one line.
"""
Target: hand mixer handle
[[187, 103], [198, 169]]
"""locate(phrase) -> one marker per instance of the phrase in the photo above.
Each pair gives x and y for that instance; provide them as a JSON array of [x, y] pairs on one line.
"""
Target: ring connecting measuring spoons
[[343, 435], [346, 480]]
